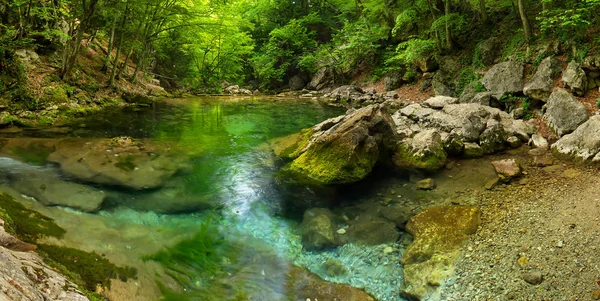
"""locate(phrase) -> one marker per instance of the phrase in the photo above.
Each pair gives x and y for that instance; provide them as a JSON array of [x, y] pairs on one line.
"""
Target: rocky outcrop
[[296, 83], [25, 276], [581, 145], [440, 86], [439, 102], [541, 84], [318, 229], [424, 151], [116, 162], [438, 234], [574, 79], [346, 151], [321, 79], [564, 112], [504, 78]]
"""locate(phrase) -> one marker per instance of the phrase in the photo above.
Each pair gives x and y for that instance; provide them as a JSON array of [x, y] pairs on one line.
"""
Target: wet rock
[[137, 98], [296, 83], [583, 144], [318, 229], [397, 214], [438, 233], [574, 79], [504, 78], [539, 141], [392, 81], [372, 232], [541, 84], [534, 277], [117, 162], [514, 142], [472, 150], [491, 184], [347, 151], [507, 169], [304, 285], [424, 151], [334, 268], [49, 190], [453, 144], [426, 184], [439, 102], [564, 112], [291, 146], [321, 79]]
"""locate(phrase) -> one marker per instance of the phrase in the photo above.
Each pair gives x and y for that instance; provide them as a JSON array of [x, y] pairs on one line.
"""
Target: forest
[[197, 45]]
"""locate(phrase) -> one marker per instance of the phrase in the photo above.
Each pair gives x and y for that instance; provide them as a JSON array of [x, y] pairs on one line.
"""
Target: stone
[[392, 81], [439, 85], [322, 78], [543, 160], [427, 64], [438, 233], [439, 102], [388, 250], [541, 84], [426, 184], [472, 150], [398, 214], [489, 50], [303, 285], [453, 144], [318, 229], [296, 83], [48, 189], [571, 173], [291, 146], [574, 79], [596, 295], [504, 78], [491, 184], [347, 92], [564, 112], [514, 142], [534, 277], [507, 169], [581, 145], [493, 138], [348, 151], [424, 151], [372, 232], [482, 98], [539, 141], [391, 95], [137, 98], [117, 162]]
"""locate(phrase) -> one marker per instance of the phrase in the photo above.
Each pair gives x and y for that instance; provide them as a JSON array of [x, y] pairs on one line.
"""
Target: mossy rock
[[423, 152], [29, 225], [56, 95], [291, 146]]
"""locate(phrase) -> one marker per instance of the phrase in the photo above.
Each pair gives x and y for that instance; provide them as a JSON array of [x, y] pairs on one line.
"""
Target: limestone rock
[[482, 98], [318, 229], [534, 277], [489, 50], [321, 79], [427, 64], [438, 234], [439, 102], [541, 84], [296, 83], [583, 144], [472, 150], [539, 141], [392, 81], [439, 85], [372, 232], [507, 169], [564, 112], [453, 144], [575, 79], [424, 151], [504, 78], [493, 138]]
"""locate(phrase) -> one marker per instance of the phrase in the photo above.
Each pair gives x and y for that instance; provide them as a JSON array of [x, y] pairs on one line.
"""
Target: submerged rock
[[372, 232], [347, 151], [438, 233], [507, 169], [318, 229], [426, 184]]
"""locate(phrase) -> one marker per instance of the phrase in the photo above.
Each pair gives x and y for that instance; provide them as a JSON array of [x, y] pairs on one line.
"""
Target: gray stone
[[439, 102], [574, 79], [514, 142], [482, 98], [489, 50], [440, 86], [504, 78], [472, 150], [493, 138], [583, 144], [534, 277], [424, 151], [318, 229], [296, 83], [564, 112], [539, 141], [321, 79], [491, 184], [372, 232], [392, 81], [541, 84], [453, 144]]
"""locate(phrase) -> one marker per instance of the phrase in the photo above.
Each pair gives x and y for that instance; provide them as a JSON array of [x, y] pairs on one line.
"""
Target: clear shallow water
[[257, 228]]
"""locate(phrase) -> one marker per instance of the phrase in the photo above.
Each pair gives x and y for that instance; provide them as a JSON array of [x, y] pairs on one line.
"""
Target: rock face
[[504, 78], [507, 169], [439, 85], [575, 79], [318, 229], [564, 113], [321, 79], [438, 233], [541, 84], [347, 151], [424, 151], [47, 189], [25, 277], [581, 145], [296, 83], [116, 162]]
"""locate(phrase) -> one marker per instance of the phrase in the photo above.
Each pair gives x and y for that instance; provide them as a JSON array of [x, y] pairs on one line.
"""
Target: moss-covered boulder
[[347, 151], [438, 234], [425, 151], [291, 146]]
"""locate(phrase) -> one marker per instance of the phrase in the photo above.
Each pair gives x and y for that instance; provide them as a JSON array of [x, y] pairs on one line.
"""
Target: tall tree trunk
[[526, 26], [125, 63], [73, 46], [483, 11], [546, 5], [111, 44], [448, 33]]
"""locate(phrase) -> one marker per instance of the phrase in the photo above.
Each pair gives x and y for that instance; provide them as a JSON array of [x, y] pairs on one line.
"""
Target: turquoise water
[[253, 228]]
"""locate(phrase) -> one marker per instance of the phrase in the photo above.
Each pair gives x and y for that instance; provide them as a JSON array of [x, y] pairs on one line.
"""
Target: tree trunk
[[111, 42], [546, 5], [448, 33], [483, 12], [526, 26]]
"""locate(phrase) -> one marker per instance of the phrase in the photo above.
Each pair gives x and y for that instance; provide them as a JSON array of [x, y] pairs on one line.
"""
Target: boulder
[[290, 147], [438, 234], [372, 232], [541, 84], [398, 214], [117, 162], [564, 112], [347, 152], [137, 98], [453, 144], [321, 79], [318, 229], [539, 141], [296, 83], [504, 78], [581, 145], [574, 79], [489, 50], [482, 98], [507, 169], [493, 138], [472, 150], [347, 92], [439, 102], [439, 85], [49, 190], [427, 64], [425, 184], [392, 81], [424, 151]]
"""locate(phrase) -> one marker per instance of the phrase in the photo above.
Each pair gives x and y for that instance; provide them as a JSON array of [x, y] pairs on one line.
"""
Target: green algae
[[291, 146], [406, 157], [126, 163], [35, 153], [29, 225]]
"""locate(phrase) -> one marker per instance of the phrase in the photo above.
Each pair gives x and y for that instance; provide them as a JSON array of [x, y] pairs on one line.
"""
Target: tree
[[525, 21]]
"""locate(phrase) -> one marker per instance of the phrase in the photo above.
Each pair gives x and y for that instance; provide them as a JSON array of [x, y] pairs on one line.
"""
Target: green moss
[[28, 224], [290, 147], [35, 153], [406, 157], [56, 95], [87, 269], [126, 163]]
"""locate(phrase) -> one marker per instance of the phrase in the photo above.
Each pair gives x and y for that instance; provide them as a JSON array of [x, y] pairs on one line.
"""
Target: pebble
[[341, 231], [534, 277], [388, 250], [596, 295], [560, 244]]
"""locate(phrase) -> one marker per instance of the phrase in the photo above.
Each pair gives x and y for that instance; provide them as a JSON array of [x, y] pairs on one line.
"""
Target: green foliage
[[598, 103], [570, 22], [411, 51]]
